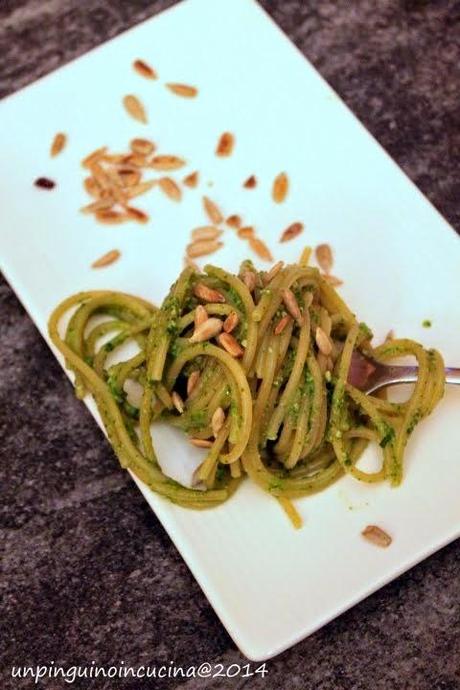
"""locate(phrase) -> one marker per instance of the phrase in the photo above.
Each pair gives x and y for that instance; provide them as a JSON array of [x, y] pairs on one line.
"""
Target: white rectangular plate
[[270, 585]]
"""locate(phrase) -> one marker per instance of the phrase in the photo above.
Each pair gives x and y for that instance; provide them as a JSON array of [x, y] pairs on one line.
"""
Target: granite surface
[[88, 573]]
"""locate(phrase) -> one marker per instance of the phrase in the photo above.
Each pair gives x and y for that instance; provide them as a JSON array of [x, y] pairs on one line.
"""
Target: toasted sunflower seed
[[324, 257], [107, 259], [191, 180], [135, 160], [280, 188], [183, 90], [192, 381], [260, 248], [234, 221], [207, 294], [292, 231], [109, 217], [217, 421], [136, 214], [206, 330], [377, 536], [129, 178], [281, 325], [94, 156], [97, 205], [200, 442], [203, 247], [291, 304], [201, 315], [231, 322], [177, 402], [206, 232], [225, 144], [323, 342], [166, 162], [251, 182], [134, 107], [272, 272], [92, 187], [142, 146], [246, 232], [142, 68], [170, 188], [250, 280], [58, 144], [230, 344], [140, 188], [212, 211]]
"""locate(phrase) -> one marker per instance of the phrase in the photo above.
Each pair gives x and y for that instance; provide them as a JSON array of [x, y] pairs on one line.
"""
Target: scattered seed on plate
[[202, 248], [260, 248], [58, 144], [136, 214], [246, 232], [291, 231], [128, 177], [144, 69], [377, 536], [164, 163], [142, 146], [250, 183], [324, 257], [106, 259], [44, 183], [134, 107], [206, 232], [140, 188], [109, 217], [184, 90], [170, 188], [191, 180], [280, 188], [92, 187], [225, 145], [97, 205], [94, 156], [212, 211], [234, 221]]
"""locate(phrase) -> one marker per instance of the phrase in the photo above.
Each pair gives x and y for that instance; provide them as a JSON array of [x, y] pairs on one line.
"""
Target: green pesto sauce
[[388, 436]]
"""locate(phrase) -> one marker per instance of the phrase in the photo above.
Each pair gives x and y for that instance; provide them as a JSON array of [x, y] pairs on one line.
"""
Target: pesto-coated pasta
[[259, 377]]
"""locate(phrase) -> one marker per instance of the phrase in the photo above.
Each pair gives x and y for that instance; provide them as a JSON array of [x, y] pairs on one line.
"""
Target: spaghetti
[[277, 382]]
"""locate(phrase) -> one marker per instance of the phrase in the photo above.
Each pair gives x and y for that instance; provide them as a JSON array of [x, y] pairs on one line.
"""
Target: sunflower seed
[[377, 536], [109, 217], [280, 188], [212, 211], [58, 144], [292, 231], [206, 330], [144, 69], [217, 421], [260, 248], [203, 247], [94, 156], [323, 342], [134, 107], [97, 205], [192, 381], [281, 325], [191, 180], [129, 178], [225, 144], [206, 232], [201, 315], [136, 214], [250, 280], [291, 304], [251, 182], [200, 442], [246, 232], [230, 344], [207, 294], [231, 322], [140, 188], [323, 254], [234, 221], [142, 146], [170, 188], [165, 163], [183, 90], [272, 272], [107, 259], [92, 187], [177, 402]]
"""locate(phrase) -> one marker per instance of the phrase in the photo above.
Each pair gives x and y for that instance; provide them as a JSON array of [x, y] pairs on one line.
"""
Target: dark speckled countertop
[[88, 573]]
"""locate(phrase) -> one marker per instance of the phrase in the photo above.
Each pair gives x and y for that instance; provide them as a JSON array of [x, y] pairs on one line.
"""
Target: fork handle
[[401, 374]]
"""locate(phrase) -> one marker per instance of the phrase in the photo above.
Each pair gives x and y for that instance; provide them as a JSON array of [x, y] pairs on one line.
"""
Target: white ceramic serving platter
[[270, 585]]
